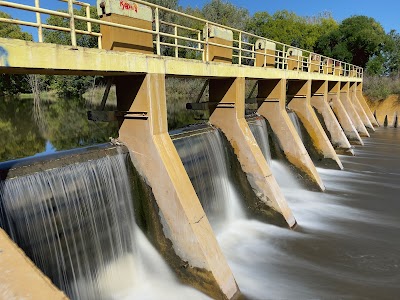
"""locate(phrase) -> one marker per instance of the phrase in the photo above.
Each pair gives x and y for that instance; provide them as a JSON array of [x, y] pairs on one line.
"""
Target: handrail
[[242, 46]]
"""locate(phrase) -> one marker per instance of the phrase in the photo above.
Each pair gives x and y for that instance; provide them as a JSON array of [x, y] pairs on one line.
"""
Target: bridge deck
[[23, 57]]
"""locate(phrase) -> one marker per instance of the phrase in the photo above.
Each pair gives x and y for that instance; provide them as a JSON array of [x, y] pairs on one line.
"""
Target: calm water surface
[[63, 125]]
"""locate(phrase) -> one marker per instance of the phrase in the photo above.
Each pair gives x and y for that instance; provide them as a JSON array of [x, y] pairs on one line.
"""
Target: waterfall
[[295, 120], [205, 159], [259, 130], [77, 224]]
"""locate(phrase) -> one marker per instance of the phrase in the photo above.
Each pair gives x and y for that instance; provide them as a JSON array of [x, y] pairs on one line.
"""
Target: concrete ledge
[[20, 278]]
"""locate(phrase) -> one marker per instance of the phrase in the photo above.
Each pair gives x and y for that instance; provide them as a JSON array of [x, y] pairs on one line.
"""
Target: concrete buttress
[[299, 99], [319, 100], [144, 131], [358, 107], [348, 105], [364, 104], [227, 103], [272, 106], [341, 114]]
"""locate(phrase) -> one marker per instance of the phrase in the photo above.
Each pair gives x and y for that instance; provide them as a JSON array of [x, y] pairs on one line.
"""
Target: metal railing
[[184, 35]]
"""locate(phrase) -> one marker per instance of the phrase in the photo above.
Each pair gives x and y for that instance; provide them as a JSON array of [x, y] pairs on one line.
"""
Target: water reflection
[[20, 137], [64, 126]]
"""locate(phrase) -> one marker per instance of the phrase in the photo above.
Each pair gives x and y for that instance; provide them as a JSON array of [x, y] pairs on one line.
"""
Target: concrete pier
[[348, 105], [272, 106], [299, 99], [319, 100], [144, 131], [364, 104], [357, 106], [227, 100], [341, 114]]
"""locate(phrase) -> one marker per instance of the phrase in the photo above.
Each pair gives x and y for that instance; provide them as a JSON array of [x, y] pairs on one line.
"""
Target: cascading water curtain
[[72, 221]]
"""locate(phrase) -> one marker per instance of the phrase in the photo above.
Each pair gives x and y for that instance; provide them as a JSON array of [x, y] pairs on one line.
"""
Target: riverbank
[[386, 111]]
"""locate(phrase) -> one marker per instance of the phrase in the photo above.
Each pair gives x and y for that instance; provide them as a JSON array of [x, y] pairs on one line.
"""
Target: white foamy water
[[295, 120], [144, 275], [205, 160], [259, 130], [77, 224], [343, 248]]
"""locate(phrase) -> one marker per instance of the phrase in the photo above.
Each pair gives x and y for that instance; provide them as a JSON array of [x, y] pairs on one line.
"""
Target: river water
[[346, 245]]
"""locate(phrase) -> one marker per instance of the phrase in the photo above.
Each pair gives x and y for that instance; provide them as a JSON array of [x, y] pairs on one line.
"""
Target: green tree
[[375, 65], [289, 28], [64, 38], [225, 13], [391, 54], [13, 84], [19, 134], [68, 126], [171, 4], [12, 31], [355, 40]]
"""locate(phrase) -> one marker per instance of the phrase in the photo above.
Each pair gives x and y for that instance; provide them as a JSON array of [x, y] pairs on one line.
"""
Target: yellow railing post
[[176, 40], [72, 22], [89, 24], [157, 21], [39, 22], [207, 46], [240, 48]]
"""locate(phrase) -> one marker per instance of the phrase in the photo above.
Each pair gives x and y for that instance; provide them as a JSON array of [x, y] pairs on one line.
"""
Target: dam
[[268, 198]]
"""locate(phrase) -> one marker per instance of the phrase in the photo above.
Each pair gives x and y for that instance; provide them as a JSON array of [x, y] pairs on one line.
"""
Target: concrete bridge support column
[[299, 99], [348, 105], [196, 256], [364, 104], [357, 106], [227, 103], [272, 106], [341, 113], [319, 100]]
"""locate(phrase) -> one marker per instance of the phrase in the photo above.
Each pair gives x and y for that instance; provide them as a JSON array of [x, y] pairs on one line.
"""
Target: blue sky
[[384, 11]]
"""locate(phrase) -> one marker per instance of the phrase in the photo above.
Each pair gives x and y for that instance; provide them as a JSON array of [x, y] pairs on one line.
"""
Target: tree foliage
[[289, 28], [171, 4], [225, 13], [71, 86], [12, 31], [20, 138], [391, 54], [13, 84], [356, 40], [64, 38]]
